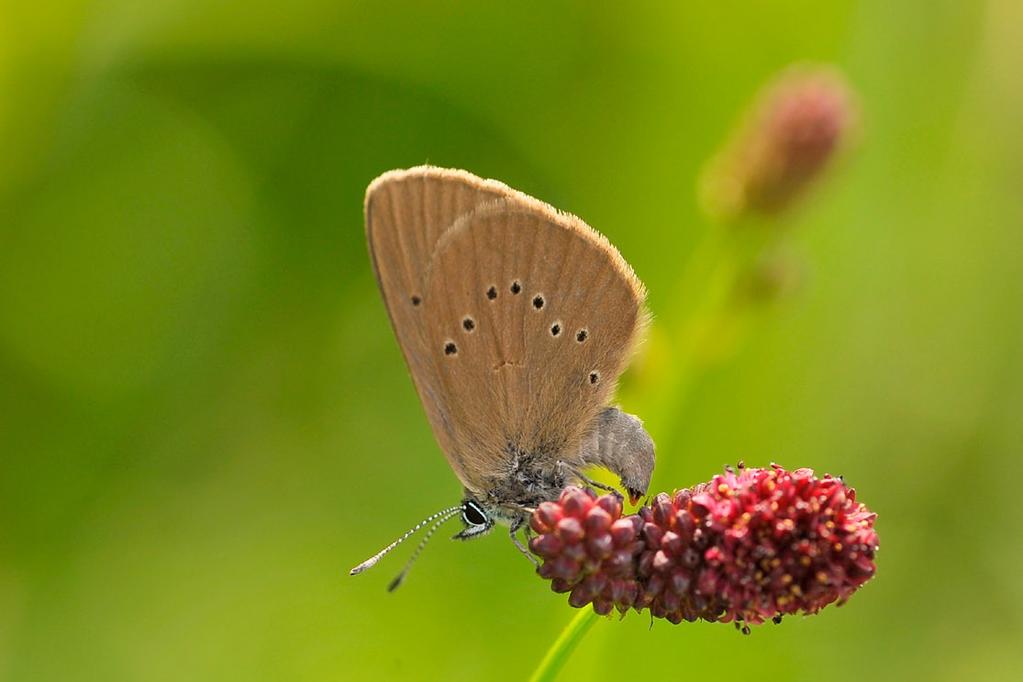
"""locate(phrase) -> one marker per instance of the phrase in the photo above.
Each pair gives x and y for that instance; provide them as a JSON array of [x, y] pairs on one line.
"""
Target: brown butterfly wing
[[406, 213], [530, 317]]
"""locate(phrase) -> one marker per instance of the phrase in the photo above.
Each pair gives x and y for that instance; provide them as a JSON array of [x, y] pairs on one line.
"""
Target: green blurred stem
[[555, 658], [700, 300], [705, 321]]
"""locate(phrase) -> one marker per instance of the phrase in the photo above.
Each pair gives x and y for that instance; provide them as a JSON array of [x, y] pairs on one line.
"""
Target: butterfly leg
[[587, 480], [599, 486], [512, 530]]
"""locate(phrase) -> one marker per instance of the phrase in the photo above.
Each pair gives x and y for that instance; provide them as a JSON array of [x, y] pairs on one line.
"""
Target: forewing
[[531, 316], [406, 213]]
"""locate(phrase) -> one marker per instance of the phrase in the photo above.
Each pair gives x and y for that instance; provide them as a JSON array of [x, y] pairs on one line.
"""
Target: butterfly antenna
[[371, 562], [398, 579]]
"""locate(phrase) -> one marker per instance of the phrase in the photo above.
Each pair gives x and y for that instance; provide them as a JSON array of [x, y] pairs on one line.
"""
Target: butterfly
[[515, 320]]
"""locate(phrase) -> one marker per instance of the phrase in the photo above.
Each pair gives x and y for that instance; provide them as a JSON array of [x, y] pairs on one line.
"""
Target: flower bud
[[788, 138]]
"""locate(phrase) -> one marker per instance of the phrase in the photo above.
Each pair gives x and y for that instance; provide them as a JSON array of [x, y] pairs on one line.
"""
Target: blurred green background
[[205, 420]]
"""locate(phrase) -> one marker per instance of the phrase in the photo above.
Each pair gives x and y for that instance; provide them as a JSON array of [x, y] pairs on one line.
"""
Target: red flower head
[[746, 547]]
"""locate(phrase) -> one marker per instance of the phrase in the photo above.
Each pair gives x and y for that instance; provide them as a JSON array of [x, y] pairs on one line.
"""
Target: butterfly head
[[476, 519]]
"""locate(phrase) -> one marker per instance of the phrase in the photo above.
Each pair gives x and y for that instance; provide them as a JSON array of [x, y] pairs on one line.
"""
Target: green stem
[[555, 658]]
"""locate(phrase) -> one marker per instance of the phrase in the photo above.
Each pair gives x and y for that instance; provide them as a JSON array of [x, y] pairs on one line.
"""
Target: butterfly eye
[[473, 514]]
